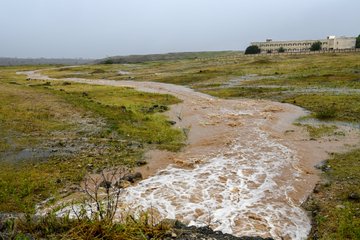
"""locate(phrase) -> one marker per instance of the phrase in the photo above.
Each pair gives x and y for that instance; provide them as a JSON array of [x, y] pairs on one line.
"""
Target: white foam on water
[[238, 192], [235, 192]]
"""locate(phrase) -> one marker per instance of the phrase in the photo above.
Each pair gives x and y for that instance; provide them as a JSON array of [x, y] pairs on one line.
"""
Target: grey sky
[[99, 28]]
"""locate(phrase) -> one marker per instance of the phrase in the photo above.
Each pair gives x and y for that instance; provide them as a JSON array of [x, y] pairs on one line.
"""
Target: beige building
[[330, 43]]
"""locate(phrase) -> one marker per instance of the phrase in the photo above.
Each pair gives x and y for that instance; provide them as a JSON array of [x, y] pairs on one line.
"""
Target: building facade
[[330, 43]]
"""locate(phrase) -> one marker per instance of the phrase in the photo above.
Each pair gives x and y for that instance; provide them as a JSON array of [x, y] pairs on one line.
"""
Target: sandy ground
[[214, 124]]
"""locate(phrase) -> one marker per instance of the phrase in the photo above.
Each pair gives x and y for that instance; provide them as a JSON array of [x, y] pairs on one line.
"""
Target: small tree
[[316, 46], [109, 61], [281, 50], [357, 42], [252, 50]]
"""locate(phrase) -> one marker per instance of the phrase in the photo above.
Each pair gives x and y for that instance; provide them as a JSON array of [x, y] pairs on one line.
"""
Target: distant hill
[[115, 59], [42, 61], [163, 57]]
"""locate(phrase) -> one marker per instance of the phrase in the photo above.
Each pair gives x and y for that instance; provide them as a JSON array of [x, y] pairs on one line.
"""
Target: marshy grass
[[283, 76], [336, 203], [319, 131], [40, 115], [329, 106], [134, 115]]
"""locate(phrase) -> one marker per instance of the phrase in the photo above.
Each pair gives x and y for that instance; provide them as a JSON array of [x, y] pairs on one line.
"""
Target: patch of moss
[[320, 131]]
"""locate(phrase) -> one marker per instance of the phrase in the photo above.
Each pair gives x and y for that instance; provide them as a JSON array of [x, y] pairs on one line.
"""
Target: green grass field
[[50, 118], [297, 79]]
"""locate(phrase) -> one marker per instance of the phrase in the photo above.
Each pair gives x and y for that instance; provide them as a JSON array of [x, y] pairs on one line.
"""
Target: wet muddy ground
[[246, 168]]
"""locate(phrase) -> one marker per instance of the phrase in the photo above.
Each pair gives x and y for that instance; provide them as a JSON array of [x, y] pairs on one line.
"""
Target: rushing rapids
[[240, 191]]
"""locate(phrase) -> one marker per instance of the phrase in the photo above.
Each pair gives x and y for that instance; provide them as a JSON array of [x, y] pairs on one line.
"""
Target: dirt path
[[245, 170]]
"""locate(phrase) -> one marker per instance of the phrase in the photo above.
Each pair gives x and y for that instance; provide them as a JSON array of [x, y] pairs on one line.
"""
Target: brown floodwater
[[246, 168]]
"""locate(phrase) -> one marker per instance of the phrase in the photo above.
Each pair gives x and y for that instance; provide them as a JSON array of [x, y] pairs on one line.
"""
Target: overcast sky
[[100, 28]]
